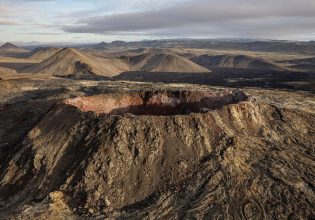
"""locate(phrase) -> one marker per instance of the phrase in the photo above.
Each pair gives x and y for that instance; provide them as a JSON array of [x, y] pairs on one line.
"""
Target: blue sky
[[96, 20]]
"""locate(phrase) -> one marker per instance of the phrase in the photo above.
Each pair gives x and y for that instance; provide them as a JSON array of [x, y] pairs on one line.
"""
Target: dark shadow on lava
[[228, 77]]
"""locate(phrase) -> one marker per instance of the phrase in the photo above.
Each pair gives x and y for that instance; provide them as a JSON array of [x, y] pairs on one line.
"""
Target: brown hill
[[306, 64], [43, 53], [70, 62], [237, 61], [163, 62], [8, 47]]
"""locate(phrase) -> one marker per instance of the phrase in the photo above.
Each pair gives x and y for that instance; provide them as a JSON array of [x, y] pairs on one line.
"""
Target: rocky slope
[[169, 154]]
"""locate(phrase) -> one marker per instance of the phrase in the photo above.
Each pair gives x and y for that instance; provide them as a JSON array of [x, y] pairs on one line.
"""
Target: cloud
[[33, 0], [206, 17], [2, 9], [42, 33], [138, 19], [4, 21]]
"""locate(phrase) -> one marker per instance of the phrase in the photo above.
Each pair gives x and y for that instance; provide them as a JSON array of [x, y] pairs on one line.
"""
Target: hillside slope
[[163, 62], [306, 64], [43, 53], [70, 62]]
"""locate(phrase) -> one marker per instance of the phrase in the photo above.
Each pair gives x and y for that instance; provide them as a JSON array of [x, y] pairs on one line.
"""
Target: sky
[[87, 21]]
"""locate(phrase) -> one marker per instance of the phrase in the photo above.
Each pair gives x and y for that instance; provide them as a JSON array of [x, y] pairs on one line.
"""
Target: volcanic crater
[[169, 152], [156, 103]]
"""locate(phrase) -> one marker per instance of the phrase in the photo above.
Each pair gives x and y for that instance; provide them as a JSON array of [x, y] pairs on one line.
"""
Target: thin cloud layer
[[4, 21], [201, 17]]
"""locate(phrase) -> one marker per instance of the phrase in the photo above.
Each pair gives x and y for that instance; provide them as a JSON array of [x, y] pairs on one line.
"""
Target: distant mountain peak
[[8, 45], [118, 41], [101, 45]]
